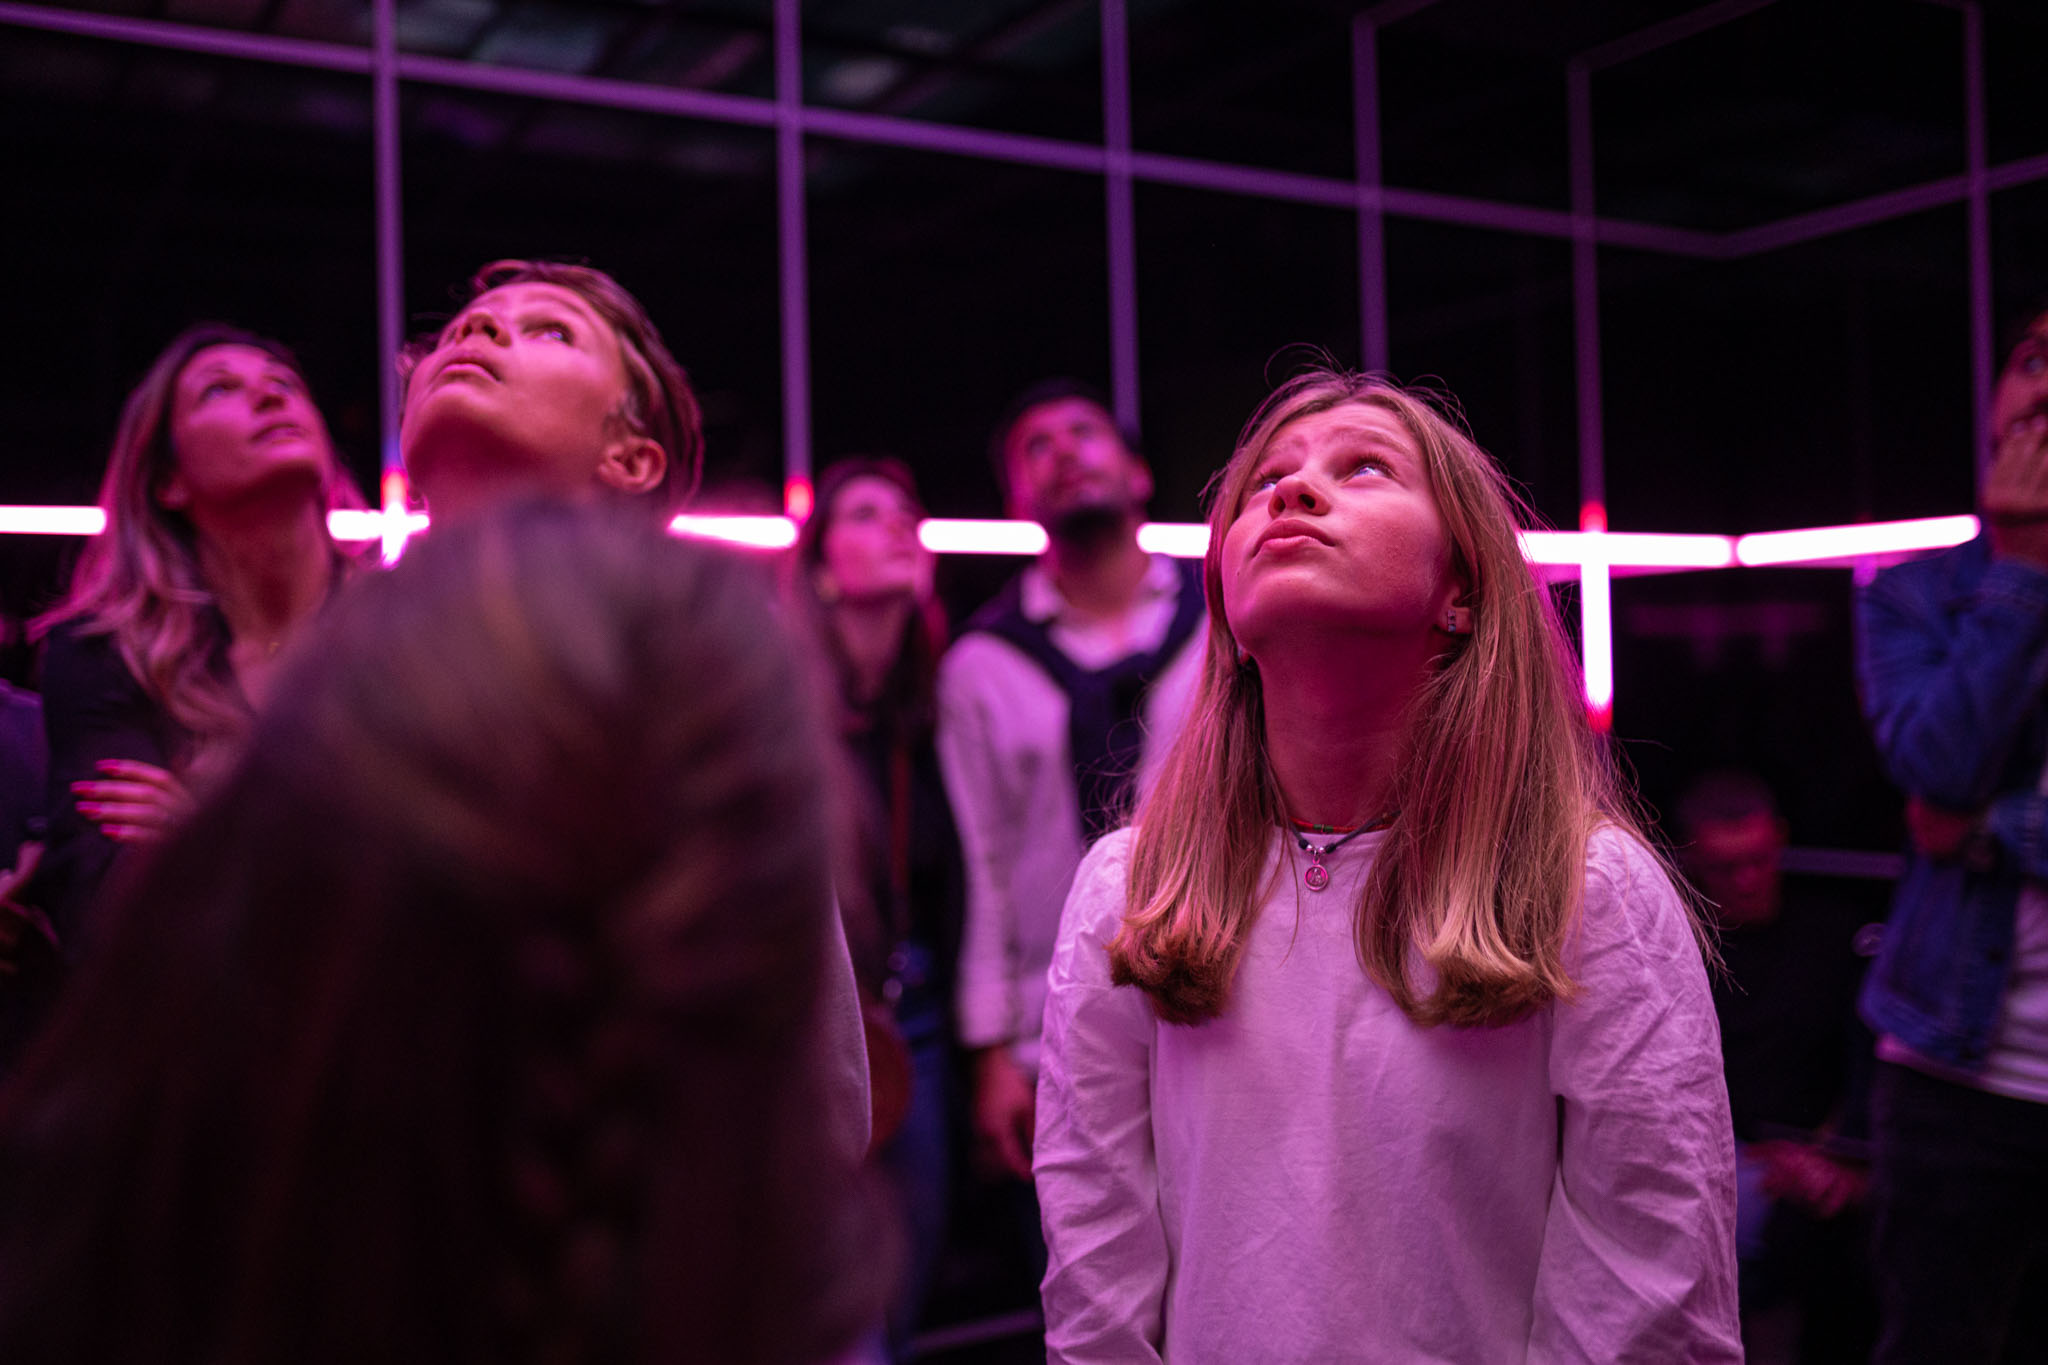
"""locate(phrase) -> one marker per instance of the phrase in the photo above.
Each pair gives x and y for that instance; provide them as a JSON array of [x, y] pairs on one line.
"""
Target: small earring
[[1458, 621], [826, 586]]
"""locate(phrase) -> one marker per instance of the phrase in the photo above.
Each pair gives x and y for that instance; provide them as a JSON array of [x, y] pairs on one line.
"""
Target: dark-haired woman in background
[[865, 583], [216, 552], [475, 1014]]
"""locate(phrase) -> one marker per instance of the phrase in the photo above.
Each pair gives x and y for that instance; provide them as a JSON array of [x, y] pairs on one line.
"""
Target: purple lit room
[[840, 682]]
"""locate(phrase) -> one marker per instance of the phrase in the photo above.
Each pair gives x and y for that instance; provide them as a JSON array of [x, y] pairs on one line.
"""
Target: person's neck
[[1336, 721], [269, 564], [870, 635], [1098, 574]]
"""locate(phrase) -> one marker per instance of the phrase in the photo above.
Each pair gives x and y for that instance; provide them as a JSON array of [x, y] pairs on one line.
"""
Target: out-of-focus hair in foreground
[[472, 1018]]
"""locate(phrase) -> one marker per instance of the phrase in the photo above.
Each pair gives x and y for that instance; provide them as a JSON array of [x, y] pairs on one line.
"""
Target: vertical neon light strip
[[1121, 215], [1596, 613], [789, 234]]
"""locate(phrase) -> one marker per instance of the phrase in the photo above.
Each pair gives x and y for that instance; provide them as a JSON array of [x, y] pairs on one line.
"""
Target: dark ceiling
[[1819, 383]]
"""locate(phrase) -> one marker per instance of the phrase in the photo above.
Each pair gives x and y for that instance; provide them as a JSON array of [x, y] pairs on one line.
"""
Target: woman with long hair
[[1383, 1034], [863, 583], [474, 1017], [216, 553]]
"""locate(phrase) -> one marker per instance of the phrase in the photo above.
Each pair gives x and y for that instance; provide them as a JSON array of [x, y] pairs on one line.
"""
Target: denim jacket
[[1953, 659]]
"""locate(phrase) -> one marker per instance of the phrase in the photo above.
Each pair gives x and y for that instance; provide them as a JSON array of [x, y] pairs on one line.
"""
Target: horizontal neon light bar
[[1621, 550], [1828, 544], [961, 536], [52, 521], [1629, 549], [760, 533], [1182, 540]]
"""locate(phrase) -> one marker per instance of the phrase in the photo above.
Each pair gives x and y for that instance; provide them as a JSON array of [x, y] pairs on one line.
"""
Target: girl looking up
[[1383, 1034]]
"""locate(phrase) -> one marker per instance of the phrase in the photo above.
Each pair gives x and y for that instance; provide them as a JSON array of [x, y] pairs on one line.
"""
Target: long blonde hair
[[139, 581], [1465, 915]]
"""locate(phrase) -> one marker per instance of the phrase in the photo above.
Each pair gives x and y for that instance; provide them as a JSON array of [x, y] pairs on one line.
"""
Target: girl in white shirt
[[1382, 1035]]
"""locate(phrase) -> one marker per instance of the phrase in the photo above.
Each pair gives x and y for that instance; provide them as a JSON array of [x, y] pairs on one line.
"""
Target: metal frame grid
[[1593, 555]]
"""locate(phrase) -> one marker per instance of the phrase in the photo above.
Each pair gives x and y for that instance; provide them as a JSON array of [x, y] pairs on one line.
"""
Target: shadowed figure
[[495, 1037]]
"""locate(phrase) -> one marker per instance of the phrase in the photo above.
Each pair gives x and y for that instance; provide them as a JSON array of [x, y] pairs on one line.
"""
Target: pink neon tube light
[[1617, 550], [1834, 544]]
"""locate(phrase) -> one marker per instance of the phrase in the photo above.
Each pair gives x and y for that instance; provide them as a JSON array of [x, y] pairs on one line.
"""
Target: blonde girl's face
[[1337, 530]]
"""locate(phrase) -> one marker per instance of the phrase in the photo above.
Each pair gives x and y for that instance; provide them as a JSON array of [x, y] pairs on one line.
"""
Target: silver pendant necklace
[[1316, 876]]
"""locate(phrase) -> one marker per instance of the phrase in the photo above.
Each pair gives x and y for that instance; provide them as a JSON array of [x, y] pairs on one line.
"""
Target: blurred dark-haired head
[[470, 1019], [1064, 461], [859, 548]]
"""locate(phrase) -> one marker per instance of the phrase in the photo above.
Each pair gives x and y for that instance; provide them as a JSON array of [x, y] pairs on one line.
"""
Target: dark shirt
[[93, 709], [929, 916], [24, 766], [1795, 1052]]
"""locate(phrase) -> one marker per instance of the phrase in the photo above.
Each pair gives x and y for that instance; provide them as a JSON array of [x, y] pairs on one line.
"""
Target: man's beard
[[1089, 524]]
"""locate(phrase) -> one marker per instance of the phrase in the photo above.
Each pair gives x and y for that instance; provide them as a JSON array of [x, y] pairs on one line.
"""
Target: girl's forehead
[[1359, 418]]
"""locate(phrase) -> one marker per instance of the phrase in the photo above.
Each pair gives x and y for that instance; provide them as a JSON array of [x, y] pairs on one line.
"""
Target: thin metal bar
[[1981, 360], [1586, 289], [2022, 172], [789, 203], [1596, 613], [1392, 11], [384, 117], [1122, 226], [1372, 240], [917, 135], [1676, 29], [1212, 175], [598, 91], [1534, 222], [1878, 208], [191, 38], [1423, 205]]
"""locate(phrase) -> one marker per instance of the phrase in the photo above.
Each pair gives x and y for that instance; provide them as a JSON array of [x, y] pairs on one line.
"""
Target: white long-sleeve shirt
[[1313, 1177], [1009, 772]]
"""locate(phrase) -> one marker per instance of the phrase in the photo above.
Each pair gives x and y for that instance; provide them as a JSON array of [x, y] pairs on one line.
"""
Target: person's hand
[[1800, 1173], [132, 802], [1005, 1113], [1939, 835], [2015, 497]]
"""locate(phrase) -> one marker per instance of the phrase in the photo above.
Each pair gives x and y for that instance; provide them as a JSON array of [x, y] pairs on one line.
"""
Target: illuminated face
[[1735, 863], [522, 394], [1066, 459], [241, 422], [1337, 530], [870, 547], [2022, 390]]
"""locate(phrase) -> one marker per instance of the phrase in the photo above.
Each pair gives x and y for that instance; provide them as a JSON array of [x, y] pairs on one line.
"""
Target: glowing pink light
[[1180, 539], [396, 524], [962, 536], [1828, 544], [1596, 614], [355, 525], [52, 521], [759, 533], [798, 499], [1629, 549]]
